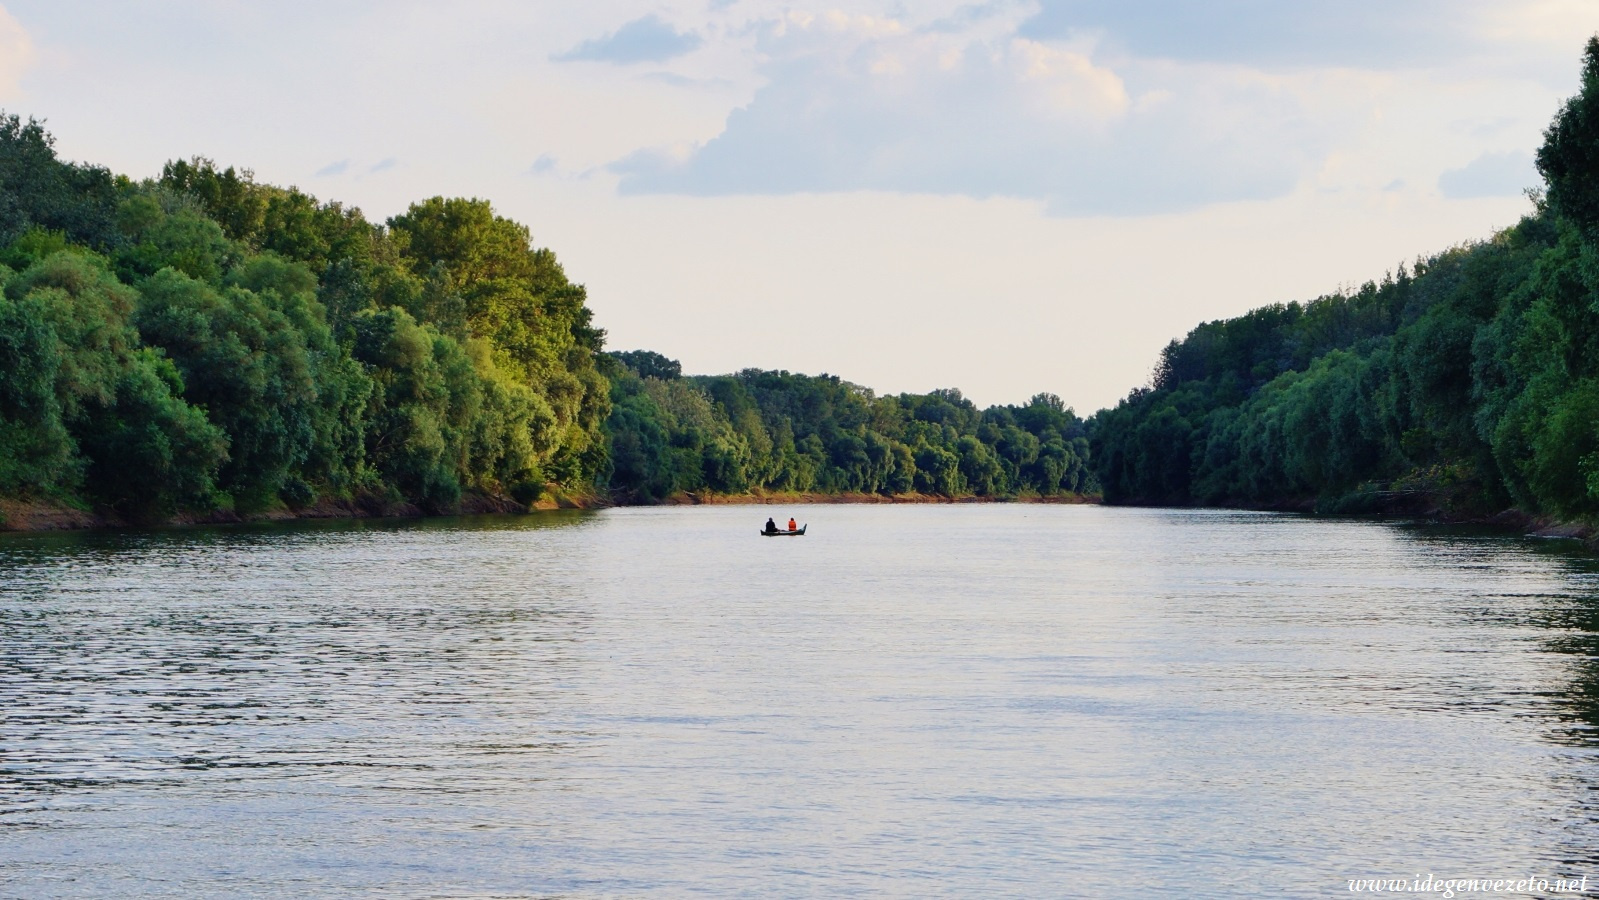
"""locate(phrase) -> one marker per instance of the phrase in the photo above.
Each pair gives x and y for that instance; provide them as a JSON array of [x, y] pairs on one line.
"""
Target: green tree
[[91, 408], [248, 366], [37, 190], [1569, 157]]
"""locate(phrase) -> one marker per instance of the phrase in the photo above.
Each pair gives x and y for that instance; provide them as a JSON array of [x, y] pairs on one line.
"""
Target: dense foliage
[[203, 342], [777, 431], [1472, 380]]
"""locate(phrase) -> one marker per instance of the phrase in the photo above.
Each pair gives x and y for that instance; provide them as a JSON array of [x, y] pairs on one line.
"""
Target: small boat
[[799, 533]]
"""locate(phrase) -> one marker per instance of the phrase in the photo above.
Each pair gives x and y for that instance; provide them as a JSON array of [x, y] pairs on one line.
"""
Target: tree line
[[1470, 379], [200, 342], [203, 342], [777, 431]]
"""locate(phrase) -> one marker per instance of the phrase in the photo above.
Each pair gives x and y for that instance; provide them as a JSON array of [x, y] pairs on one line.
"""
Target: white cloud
[[1145, 107], [866, 103], [16, 55], [589, 119]]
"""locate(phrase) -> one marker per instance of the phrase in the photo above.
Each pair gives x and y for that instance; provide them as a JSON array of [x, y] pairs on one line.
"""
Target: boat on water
[[799, 532]]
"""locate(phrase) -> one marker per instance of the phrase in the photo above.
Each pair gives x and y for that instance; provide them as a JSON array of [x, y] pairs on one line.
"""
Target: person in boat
[[771, 527], [792, 526]]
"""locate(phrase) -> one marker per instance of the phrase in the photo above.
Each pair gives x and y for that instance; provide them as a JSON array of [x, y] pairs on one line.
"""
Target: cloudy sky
[[1005, 197]]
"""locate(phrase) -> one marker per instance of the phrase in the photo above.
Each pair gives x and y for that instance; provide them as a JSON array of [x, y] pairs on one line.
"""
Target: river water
[[974, 700]]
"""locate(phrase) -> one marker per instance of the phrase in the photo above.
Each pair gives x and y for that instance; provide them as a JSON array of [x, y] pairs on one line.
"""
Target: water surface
[[909, 701]]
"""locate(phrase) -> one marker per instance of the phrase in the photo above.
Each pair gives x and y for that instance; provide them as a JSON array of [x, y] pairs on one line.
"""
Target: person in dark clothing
[[771, 527]]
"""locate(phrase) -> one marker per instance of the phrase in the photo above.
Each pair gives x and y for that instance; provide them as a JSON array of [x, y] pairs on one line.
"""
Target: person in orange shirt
[[792, 526]]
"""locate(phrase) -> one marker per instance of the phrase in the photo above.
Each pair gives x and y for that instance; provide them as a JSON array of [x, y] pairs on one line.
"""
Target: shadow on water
[[1567, 615], [289, 532], [270, 531], [350, 652], [604, 703], [1574, 620]]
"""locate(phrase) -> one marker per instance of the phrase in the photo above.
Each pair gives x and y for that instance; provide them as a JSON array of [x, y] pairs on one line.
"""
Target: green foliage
[[244, 361], [649, 364], [149, 453], [285, 221], [35, 449], [1569, 157], [445, 417], [335, 455], [87, 310], [779, 431], [483, 279], [86, 408], [204, 341], [164, 230], [33, 245], [1474, 379], [1422, 385], [39, 191], [412, 443]]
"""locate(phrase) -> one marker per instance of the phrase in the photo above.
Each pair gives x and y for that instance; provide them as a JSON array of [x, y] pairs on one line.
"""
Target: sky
[[1006, 198]]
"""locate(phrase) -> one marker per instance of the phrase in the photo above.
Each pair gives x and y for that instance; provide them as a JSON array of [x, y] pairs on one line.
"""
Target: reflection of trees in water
[[353, 653], [1572, 616], [1576, 712], [1579, 704], [1569, 609], [1566, 609]]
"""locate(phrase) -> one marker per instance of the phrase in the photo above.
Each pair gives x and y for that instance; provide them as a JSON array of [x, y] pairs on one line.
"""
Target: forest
[[200, 345], [1466, 383], [775, 431]]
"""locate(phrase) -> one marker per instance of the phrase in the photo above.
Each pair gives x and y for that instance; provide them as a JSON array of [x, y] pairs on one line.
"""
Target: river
[[938, 700]]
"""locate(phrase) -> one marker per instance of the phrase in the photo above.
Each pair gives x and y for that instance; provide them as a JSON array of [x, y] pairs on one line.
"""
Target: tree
[[85, 406], [38, 190], [1569, 157], [649, 364], [248, 366]]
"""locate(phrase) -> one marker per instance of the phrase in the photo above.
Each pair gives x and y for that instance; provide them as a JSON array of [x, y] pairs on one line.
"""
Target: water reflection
[[1548, 591], [352, 653], [1013, 701], [1558, 612]]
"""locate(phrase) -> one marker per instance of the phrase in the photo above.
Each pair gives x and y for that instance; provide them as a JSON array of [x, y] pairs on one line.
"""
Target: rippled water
[[909, 701]]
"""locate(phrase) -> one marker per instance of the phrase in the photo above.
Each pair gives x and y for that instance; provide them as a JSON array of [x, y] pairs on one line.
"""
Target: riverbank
[[776, 498], [44, 515], [39, 515], [1456, 505], [47, 515], [1441, 506]]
